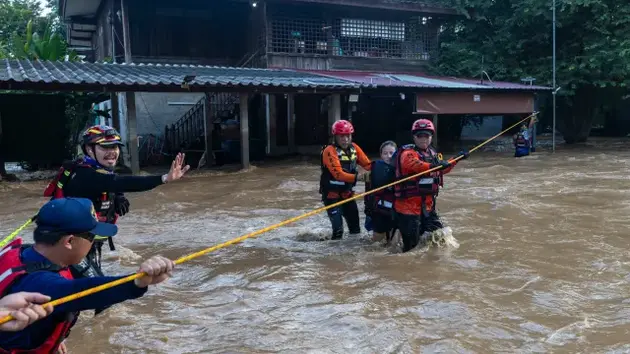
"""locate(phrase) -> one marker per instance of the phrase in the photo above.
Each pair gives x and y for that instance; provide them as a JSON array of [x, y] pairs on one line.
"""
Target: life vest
[[425, 185], [348, 160], [103, 205], [521, 141], [381, 174], [13, 268]]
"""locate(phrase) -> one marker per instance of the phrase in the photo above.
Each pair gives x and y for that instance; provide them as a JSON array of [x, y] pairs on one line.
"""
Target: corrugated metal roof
[[415, 80], [154, 77]]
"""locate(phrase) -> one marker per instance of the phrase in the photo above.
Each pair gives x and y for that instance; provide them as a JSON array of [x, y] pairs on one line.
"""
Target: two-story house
[[388, 42]]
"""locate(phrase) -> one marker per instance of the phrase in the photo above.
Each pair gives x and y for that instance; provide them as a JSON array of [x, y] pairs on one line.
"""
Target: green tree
[[47, 46], [514, 40], [15, 14]]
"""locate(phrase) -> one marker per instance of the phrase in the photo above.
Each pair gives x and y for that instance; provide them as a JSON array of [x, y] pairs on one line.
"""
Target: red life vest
[[425, 185], [12, 268], [521, 141], [104, 205], [348, 161]]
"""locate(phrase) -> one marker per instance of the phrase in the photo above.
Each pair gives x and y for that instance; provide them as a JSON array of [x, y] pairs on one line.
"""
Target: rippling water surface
[[542, 265]]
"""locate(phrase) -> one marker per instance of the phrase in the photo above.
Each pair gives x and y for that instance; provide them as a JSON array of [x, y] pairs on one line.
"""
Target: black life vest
[[521, 141], [381, 174], [348, 160], [425, 185], [12, 269], [104, 204]]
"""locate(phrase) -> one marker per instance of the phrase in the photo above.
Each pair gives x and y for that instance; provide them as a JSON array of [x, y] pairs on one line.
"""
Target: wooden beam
[[244, 124], [130, 98], [291, 122], [208, 129], [435, 136], [334, 111], [126, 34]]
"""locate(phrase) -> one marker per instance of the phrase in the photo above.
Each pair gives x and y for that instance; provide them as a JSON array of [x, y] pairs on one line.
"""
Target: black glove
[[464, 154], [121, 204], [441, 165]]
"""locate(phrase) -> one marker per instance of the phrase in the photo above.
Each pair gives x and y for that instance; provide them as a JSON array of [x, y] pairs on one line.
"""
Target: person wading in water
[[92, 176], [379, 206], [339, 162], [416, 209]]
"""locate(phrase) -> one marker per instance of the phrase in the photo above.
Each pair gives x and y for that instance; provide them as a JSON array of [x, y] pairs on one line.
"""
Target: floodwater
[[542, 267]]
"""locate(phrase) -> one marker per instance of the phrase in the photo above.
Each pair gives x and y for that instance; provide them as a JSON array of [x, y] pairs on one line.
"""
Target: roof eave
[[420, 8]]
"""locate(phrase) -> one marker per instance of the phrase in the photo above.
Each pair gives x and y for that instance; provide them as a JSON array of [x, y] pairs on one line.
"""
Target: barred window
[[372, 29], [412, 39]]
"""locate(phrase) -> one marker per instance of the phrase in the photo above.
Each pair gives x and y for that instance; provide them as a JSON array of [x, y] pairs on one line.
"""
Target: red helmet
[[342, 127], [101, 135], [422, 125]]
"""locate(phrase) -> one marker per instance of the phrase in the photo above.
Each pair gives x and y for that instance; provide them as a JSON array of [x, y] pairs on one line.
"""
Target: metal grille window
[[373, 29], [303, 36], [413, 39]]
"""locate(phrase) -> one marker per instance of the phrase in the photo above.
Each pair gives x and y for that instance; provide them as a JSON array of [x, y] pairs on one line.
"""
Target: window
[[372, 29]]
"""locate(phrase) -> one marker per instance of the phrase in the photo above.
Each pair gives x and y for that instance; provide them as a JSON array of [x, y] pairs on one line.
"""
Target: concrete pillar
[[334, 111], [291, 121], [244, 123], [435, 125]]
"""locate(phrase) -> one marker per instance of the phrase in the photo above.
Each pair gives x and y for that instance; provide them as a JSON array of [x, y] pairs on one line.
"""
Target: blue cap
[[72, 216]]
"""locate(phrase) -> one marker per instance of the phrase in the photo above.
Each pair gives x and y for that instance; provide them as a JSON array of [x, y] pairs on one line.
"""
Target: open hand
[[178, 170]]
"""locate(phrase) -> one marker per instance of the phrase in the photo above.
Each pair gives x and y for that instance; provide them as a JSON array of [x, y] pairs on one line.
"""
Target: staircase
[[187, 134]]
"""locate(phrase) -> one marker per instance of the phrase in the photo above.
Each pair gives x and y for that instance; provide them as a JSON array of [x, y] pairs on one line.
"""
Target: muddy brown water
[[543, 265]]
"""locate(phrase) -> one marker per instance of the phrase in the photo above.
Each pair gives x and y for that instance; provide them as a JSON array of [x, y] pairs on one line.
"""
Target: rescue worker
[[92, 177], [340, 174], [24, 308], [379, 206], [65, 232], [523, 139], [416, 211]]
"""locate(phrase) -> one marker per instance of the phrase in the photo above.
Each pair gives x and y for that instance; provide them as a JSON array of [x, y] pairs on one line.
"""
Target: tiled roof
[[415, 80], [26, 74]]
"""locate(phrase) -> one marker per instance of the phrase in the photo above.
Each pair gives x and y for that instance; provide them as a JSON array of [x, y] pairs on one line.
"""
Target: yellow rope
[[181, 260], [15, 233]]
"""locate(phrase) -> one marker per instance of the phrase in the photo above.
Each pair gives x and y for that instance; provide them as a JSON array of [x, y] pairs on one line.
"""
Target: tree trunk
[[579, 113]]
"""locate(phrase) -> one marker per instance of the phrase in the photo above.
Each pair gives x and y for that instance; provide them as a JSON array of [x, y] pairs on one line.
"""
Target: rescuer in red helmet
[[340, 174], [415, 205]]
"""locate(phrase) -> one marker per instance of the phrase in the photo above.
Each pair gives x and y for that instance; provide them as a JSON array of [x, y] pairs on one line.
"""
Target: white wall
[[153, 111]]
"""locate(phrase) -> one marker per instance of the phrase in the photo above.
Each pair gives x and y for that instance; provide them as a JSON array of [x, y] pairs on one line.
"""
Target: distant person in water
[[523, 140]]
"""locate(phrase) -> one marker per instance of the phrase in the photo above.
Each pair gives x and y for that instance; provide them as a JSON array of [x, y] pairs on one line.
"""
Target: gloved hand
[[442, 165], [464, 154], [368, 223], [121, 204]]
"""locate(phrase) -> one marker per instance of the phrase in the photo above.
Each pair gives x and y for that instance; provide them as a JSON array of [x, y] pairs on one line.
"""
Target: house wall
[[153, 111], [205, 32], [324, 37]]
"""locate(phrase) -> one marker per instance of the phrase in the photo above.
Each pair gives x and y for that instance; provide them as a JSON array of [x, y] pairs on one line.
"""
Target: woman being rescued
[[379, 206], [340, 174]]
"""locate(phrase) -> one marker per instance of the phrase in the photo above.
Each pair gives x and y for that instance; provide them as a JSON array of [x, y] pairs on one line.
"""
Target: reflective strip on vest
[[385, 204], [426, 181]]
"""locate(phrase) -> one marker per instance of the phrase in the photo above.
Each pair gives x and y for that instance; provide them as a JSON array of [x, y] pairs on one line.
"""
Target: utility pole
[[553, 130]]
